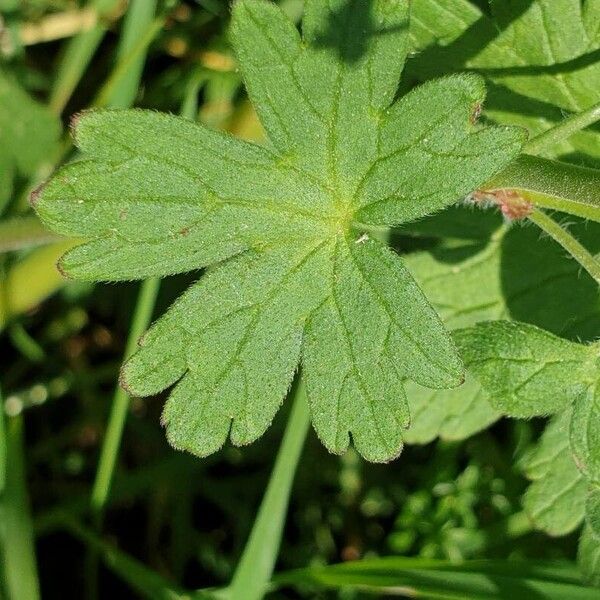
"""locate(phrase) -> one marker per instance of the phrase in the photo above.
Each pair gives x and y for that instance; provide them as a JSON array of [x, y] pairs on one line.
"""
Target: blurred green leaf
[[24, 232], [28, 134]]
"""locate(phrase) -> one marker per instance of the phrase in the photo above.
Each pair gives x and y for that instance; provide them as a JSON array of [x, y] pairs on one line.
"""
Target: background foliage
[[171, 522]]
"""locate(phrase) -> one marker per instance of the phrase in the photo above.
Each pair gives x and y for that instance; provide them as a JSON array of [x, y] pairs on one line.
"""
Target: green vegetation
[[378, 217]]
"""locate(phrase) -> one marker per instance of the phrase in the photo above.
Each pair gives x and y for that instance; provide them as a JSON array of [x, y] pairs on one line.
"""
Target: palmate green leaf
[[293, 278], [28, 133], [556, 499], [526, 370]]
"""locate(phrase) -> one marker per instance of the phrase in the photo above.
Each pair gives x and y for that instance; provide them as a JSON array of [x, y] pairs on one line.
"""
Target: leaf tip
[[123, 380], [60, 265], [75, 123], [36, 194]]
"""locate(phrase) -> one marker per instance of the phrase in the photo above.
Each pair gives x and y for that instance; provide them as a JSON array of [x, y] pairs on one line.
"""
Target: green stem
[[552, 184], [120, 405], [256, 566], [563, 130], [567, 241], [16, 528]]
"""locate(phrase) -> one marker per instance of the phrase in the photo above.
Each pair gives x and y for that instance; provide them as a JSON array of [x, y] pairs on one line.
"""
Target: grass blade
[[476, 580], [16, 528], [258, 559], [145, 581], [77, 56]]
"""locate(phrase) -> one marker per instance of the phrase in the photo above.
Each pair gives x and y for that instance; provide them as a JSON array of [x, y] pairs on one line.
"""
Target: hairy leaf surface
[[541, 57], [495, 273], [292, 277], [585, 427], [526, 370]]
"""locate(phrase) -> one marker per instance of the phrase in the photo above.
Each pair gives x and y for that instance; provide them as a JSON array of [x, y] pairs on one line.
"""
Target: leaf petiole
[[563, 130], [567, 241]]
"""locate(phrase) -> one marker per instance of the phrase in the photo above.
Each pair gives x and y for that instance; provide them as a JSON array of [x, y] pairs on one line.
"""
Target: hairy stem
[[567, 241], [563, 130], [552, 184]]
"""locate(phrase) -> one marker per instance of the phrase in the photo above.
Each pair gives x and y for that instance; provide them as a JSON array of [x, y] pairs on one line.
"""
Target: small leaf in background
[[28, 134], [299, 280], [449, 414], [555, 500], [526, 370], [494, 273]]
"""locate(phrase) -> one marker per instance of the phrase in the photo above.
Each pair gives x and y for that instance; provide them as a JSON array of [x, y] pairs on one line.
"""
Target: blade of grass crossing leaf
[[121, 92], [16, 528], [120, 405], [255, 568], [568, 242], [141, 320], [112, 441]]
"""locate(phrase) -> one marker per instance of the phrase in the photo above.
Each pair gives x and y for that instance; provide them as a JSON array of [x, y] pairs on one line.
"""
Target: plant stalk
[[567, 241], [552, 184], [256, 565], [19, 568], [120, 405], [563, 130]]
